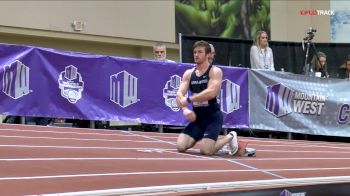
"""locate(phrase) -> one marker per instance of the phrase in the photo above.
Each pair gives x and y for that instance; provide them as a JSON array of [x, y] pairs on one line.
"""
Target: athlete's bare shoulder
[[188, 72], [216, 70]]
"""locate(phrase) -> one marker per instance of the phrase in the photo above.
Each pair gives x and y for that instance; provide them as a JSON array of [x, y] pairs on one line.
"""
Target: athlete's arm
[[185, 83], [214, 86]]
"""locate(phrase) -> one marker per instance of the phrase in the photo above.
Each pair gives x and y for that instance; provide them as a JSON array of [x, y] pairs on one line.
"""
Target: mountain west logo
[[278, 100], [16, 80], [123, 89], [71, 84], [229, 96], [169, 92], [281, 101]]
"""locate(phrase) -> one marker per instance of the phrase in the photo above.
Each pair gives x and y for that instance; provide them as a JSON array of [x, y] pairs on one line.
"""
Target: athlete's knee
[[184, 142], [207, 151], [181, 148]]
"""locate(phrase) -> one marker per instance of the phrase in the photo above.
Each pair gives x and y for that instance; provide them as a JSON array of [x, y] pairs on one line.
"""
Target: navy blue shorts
[[205, 126]]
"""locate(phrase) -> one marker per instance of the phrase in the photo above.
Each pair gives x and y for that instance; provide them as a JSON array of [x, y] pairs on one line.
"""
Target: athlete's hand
[[183, 101], [189, 114]]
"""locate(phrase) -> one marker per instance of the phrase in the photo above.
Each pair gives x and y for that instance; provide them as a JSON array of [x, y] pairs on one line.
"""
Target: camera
[[311, 30], [310, 34]]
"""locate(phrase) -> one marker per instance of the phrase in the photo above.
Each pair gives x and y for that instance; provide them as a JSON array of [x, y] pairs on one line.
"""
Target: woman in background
[[320, 64], [261, 56]]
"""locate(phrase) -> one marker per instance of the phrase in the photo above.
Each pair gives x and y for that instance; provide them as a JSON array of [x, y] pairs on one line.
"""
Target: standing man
[[212, 54], [204, 81], [159, 52]]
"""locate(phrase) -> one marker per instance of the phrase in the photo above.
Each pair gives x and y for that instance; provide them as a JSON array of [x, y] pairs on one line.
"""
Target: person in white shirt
[[261, 56], [159, 52]]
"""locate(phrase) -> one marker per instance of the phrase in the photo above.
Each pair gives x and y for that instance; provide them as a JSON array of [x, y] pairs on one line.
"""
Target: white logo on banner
[[16, 80], [123, 89], [229, 96], [71, 84], [280, 101], [169, 92]]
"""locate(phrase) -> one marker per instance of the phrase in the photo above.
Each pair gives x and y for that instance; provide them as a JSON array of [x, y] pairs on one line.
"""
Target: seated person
[[345, 68], [318, 65]]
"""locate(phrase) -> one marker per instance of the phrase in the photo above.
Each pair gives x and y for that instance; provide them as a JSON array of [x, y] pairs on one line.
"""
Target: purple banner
[[52, 83]]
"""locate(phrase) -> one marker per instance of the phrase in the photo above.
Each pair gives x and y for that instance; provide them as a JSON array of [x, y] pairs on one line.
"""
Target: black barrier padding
[[311, 190], [287, 55]]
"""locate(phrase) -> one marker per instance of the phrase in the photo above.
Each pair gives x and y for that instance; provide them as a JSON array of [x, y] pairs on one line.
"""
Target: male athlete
[[204, 81]]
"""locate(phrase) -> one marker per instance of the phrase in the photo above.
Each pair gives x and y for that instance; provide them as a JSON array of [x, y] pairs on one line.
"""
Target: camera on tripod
[[310, 34]]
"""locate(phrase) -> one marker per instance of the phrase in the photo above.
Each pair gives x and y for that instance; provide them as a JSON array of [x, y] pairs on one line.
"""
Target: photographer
[[318, 64]]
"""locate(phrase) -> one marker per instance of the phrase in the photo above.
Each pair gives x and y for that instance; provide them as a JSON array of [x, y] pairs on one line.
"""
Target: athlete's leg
[[210, 146], [211, 143], [189, 137], [184, 142]]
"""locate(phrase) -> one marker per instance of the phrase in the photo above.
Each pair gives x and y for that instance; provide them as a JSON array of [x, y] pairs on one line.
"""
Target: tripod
[[308, 69]]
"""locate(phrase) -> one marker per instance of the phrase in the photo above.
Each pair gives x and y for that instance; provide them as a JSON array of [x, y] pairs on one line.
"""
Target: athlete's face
[[199, 55]]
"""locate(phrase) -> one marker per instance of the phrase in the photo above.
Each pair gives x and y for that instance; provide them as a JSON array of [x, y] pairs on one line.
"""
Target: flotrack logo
[[15, 80], [281, 101], [316, 12], [71, 84], [285, 192]]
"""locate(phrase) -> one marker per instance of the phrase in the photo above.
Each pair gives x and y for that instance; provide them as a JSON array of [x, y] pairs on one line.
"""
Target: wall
[[144, 20], [130, 28], [121, 28], [287, 24]]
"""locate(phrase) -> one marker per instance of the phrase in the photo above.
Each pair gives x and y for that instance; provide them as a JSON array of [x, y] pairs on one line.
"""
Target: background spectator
[[261, 56], [320, 64], [159, 52]]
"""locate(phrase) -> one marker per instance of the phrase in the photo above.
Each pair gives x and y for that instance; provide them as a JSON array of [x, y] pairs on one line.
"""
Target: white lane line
[[162, 135], [153, 139], [290, 159], [164, 172], [304, 151], [81, 147], [117, 133], [231, 161], [114, 132], [254, 168], [119, 158], [173, 144], [171, 150], [187, 188], [77, 139], [301, 146], [165, 159], [295, 142], [29, 127], [157, 141]]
